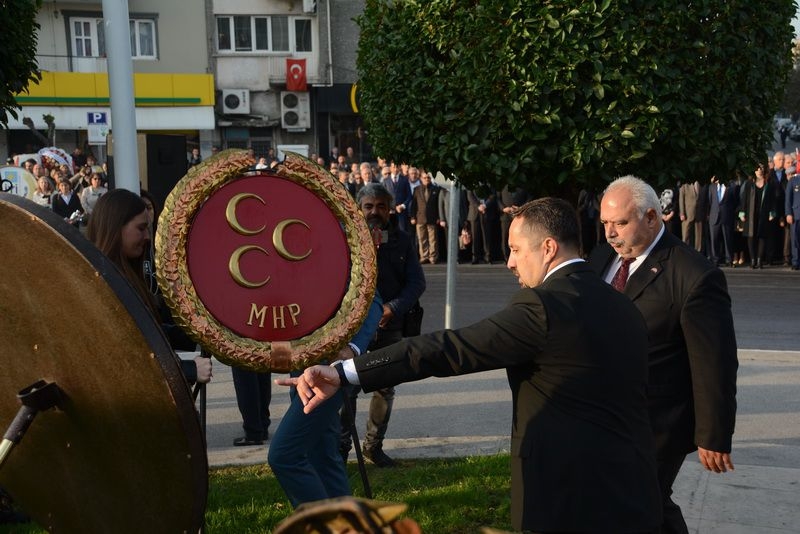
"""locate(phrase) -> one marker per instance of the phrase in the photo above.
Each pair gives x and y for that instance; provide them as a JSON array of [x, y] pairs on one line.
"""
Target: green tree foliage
[[791, 97], [539, 93], [18, 66]]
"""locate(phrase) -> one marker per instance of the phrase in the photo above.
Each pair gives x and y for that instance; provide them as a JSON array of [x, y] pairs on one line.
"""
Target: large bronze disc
[[124, 452]]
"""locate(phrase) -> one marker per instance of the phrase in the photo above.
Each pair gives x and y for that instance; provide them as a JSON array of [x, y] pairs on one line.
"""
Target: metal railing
[[56, 63]]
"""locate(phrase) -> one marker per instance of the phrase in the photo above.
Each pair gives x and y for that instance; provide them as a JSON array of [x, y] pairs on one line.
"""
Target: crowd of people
[[70, 188], [421, 207], [734, 221]]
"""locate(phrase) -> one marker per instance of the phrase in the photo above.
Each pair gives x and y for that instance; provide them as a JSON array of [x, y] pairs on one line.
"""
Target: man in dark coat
[[400, 283], [722, 201], [685, 303], [424, 214], [581, 447]]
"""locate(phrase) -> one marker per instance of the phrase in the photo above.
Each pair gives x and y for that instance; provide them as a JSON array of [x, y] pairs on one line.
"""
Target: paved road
[[472, 414]]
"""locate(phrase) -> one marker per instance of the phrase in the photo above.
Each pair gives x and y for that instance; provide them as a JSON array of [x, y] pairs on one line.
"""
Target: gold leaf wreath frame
[[172, 271]]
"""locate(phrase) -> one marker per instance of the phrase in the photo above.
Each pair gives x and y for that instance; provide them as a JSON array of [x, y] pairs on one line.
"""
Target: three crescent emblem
[[277, 241]]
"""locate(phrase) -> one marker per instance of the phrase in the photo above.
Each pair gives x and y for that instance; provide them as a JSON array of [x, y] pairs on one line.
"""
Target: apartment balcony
[[258, 72], [50, 63]]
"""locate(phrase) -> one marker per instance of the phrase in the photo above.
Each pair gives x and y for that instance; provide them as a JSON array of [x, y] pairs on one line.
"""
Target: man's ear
[[550, 248]]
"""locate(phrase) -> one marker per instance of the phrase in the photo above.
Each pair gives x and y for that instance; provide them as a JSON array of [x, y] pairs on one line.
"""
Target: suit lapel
[[650, 269]]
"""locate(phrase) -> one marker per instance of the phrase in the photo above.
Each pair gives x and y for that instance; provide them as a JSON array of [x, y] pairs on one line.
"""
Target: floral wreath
[[191, 314]]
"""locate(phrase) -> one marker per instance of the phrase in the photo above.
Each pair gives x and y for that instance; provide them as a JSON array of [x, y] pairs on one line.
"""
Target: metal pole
[[452, 253], [348, 410], [120, 86]]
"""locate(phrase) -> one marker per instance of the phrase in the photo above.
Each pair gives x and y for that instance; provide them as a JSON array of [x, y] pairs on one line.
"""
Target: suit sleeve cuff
[[349, 369]]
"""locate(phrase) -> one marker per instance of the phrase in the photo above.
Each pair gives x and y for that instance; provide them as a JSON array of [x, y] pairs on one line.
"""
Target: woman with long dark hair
[[758, 212], [120, 228]]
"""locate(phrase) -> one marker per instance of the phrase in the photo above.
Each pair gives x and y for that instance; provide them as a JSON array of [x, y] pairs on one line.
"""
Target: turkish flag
[[296, 75]]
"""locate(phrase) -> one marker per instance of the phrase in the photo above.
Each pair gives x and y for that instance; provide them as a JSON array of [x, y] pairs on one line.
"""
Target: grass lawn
[[444, 496]]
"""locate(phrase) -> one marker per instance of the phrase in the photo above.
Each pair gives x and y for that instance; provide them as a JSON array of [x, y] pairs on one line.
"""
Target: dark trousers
[[795, 235], [380, 406], [253, 394], [787, 243], [484, 239], [721, 243], [755, 247], [668, 469]]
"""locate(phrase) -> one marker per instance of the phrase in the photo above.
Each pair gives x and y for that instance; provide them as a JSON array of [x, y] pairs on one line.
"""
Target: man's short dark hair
[[552, 217], [374, 190]]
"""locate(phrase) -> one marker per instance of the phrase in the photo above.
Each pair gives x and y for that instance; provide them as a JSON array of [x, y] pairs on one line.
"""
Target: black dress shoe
[[378, 457], [247, 442]]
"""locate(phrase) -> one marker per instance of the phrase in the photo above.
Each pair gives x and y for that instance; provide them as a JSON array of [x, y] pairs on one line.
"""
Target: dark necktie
[[621, 278]]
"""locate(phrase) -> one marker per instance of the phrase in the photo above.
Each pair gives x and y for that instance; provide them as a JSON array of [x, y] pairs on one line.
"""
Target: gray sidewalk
[[470, 415]]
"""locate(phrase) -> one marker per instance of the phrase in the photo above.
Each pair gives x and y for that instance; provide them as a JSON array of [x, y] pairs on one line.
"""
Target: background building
[[207, 73], [173, 88], [251, 43]]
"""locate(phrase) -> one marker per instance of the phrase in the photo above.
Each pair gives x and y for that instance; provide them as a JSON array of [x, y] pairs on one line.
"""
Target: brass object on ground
[[345, 515], [123, 450]]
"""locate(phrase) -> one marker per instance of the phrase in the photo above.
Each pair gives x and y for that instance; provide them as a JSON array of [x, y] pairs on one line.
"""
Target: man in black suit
[[692, 362], [581, 448], [722, 202], [482, 216]]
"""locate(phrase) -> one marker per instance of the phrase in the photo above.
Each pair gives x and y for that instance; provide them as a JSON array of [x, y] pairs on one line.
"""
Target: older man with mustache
[[692, 345]]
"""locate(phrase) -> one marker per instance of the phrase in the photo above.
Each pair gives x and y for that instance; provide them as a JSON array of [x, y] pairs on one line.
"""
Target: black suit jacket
[[722, 211], [692, 383], [62, 208], [581, 446], [511, 197]]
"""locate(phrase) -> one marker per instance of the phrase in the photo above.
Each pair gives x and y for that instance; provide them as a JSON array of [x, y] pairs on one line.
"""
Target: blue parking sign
[[96, 117]]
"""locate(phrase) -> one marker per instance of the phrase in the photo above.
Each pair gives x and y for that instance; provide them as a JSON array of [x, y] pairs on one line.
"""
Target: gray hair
[[644, 197], [374, 190]]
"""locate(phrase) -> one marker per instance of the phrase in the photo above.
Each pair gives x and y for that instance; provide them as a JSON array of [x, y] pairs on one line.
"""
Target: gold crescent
[[230, 214], [277, 240], [236, 272]]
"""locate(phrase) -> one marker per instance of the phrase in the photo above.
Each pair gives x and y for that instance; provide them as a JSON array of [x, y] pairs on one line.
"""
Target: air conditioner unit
[[235, 101], [295, 110], [309, 6]]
